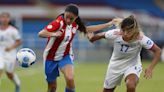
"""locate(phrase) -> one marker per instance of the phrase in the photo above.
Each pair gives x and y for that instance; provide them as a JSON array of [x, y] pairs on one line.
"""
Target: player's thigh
[[10, 65], [66, 67], [2, 63], [112, 79], [51, 70], [133, 73], [68, 71], [2, 66]]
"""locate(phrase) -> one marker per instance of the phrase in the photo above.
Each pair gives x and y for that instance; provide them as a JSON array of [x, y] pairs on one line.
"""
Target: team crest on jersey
[[49, 27]]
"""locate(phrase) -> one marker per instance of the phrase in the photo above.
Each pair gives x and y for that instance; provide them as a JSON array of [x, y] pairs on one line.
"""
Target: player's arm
[[157, 53], [44, 34], [51, 30], [94, 28], [15, 45], [94, 37]]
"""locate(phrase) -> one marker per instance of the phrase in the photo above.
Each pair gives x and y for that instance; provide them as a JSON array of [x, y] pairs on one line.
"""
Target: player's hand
[[8, 49], [57, 34], [117, 21], [148, 73]]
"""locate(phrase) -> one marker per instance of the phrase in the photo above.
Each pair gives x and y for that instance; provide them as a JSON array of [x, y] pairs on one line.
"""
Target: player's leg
[[67, 68], [68, 72], [112, 79], [2, 65], [52, 86], [51, 72], [131, 82], [132, 77], [11, 75]]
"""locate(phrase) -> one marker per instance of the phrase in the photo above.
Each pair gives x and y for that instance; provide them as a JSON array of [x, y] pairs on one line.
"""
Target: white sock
[[16, 80]]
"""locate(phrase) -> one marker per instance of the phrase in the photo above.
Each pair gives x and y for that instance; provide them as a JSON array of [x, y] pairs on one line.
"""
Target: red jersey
[[58, 47]]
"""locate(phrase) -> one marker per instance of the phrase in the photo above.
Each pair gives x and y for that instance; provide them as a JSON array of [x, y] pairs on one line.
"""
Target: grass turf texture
[[89, 77]]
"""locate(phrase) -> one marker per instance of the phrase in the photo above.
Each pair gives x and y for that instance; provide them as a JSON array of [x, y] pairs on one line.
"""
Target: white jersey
[[7, 39], [126, 54]]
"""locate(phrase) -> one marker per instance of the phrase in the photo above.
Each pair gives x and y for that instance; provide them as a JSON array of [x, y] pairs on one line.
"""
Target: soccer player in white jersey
[[125, 61], [9, 41]]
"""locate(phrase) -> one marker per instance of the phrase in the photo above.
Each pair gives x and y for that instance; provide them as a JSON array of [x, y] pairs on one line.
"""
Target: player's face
[[4, 19], [69, 17], [128, 34]]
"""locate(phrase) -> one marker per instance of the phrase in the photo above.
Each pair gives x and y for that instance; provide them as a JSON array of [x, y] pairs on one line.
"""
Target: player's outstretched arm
[[157, 53], [93, 37], [44, 34], [94, 28], [98, 27]]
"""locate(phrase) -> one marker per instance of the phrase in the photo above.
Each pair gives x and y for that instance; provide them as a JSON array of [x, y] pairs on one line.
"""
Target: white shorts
[[7, 64], [113, 77]]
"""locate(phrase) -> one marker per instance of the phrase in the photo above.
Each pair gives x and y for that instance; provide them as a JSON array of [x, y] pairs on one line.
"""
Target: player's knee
[[131, 84], [69, 78], [10, 75], [51, 86]]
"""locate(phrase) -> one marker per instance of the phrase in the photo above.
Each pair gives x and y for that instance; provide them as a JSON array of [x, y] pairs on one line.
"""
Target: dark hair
[[11, 22], [74, 9], [128, 23]]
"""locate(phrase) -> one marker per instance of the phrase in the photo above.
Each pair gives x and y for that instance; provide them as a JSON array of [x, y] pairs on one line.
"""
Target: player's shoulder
[[116, 32], [74, 24], [143, 37], [113, 33], [59, 19], [12, 28]]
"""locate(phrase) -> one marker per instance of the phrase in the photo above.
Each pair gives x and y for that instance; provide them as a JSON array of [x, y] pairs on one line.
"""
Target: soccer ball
[[26, 57]]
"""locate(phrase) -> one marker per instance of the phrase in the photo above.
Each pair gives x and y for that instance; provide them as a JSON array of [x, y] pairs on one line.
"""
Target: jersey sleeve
[[16, 35], [112, 34], [146, 42], [53, 26]]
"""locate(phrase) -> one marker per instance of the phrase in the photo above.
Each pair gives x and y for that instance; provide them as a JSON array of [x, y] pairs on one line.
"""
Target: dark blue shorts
[[52, 67]]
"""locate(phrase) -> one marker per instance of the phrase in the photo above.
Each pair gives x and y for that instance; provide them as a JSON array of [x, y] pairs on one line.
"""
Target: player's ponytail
[[82, 27]]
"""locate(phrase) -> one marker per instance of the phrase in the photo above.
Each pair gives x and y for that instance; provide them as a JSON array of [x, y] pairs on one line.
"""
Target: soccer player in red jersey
[[58, 52]]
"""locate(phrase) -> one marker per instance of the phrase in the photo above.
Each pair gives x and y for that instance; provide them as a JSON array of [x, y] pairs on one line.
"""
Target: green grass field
[[88, 77]]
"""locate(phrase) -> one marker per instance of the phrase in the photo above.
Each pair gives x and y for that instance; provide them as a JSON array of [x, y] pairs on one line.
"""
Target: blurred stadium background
[[30, 16]]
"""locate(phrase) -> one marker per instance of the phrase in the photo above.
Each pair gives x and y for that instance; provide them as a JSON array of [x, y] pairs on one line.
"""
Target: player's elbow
[[159, 52], [20, 42], [41, 34]]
